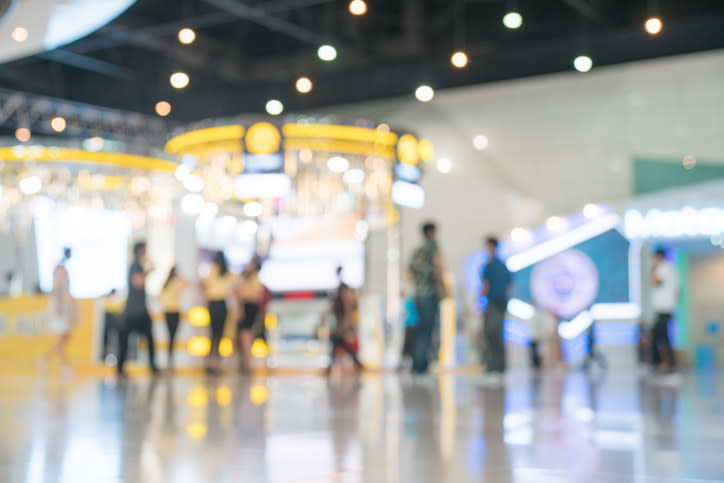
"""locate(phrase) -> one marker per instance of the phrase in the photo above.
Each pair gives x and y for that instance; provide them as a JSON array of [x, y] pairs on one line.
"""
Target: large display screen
[[304, 253], [98, 239]]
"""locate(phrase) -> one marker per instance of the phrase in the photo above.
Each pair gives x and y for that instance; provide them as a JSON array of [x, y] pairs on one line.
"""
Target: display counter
[[24, 335]]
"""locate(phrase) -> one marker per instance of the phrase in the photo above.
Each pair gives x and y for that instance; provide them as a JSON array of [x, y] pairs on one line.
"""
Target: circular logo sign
[[263, 138], [565, 284]]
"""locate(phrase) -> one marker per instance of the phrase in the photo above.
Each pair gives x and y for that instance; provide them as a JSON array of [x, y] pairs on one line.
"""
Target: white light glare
[[30, 185], [583, 63], [424, 93], [337, 164], [182, 171], [557, 224], [574, 328], [353, 176], [620, 311], [591, 210], [357, 7], [520, 236], [193, 182], [480, 142], [686, 222], [327, 53], [444, 165], [192, 203], [274, 107], [253, 209], [520, 310], [186, 36], [361, 230], [513, 20], [179, 80]]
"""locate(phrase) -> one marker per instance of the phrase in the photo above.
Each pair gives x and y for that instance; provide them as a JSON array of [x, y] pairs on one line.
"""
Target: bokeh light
[[199, 346], [424, 93], [179, 80], [258, 394], [199, 316], [198, 397], [459, 59], [223, 396], [513, 20], [304, 85], [186, 36], [653, 25], [163, 108]]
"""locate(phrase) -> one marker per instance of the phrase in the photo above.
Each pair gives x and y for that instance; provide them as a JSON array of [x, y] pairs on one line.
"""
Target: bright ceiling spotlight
[[513, 20], [327, 53], [58, 124], [424, 93], [22, 134], [459, 59], [583, 63], [653, 25], [274, 107], [186, 36], [338, 164], [304, 85], [444, 165], [20, 34], [480, 142], [179, 80], [94, 144], [520, 235], [163, 108], [357, 7]]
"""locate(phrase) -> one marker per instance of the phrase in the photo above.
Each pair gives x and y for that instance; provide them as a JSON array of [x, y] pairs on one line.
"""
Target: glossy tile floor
[[380, 428]]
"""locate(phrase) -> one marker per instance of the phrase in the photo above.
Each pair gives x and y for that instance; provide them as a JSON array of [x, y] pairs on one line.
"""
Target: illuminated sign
[[685, 222], [565, 284], [275, 185], [408, 194]]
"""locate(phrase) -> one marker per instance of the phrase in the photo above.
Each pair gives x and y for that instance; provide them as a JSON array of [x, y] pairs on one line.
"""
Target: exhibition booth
[[307, 195]]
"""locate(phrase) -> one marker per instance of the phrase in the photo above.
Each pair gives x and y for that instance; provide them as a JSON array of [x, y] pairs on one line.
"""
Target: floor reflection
[[377, 428]]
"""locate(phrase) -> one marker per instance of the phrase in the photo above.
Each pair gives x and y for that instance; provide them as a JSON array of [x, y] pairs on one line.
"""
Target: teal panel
[[653, 175]]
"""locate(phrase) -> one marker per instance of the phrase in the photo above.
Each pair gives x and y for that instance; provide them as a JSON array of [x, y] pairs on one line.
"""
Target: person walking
[[217, 289], [170, 299], [136, 316], [62, 314], [426, 270], [664, 300], [496, 288]]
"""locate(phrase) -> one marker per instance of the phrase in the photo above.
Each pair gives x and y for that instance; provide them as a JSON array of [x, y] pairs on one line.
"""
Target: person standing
[[426, 270], [217, 288], [136, 316], [496, 288], [113, 306], [61, 313], [170, 299], [250, 293], [664, 300]]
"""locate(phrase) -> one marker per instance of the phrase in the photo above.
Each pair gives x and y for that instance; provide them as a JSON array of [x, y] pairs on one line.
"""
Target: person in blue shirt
[[496, 288]]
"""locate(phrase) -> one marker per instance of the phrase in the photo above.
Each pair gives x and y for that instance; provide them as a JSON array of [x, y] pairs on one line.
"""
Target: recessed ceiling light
[[357, 7], [19, 34], [304, 85], [186, 36], [274, 107], [583, 63], [513, 20], [424, 93], [22, 134], [459, 59], [653, 25], [444, 165], [480, 142], [58, 124], [327, 53], [163, 108], [179, 80]]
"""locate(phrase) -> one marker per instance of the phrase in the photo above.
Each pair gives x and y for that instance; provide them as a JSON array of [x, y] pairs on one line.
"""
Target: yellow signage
[[263, 138], [407, 150]]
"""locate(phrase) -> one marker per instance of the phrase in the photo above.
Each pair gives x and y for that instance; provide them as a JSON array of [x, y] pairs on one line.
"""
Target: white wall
[[556, 142]]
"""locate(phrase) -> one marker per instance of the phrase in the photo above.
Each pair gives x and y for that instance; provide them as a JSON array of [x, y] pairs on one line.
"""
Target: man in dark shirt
[[137, 318], [496, 287], [426, 270]]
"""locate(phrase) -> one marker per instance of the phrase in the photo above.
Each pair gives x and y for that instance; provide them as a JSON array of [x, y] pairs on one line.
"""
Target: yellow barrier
[[24, 332]]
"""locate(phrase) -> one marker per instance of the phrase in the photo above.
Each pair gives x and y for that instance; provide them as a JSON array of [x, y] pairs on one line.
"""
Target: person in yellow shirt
[[216, 287], [170, 299], [250, 293]]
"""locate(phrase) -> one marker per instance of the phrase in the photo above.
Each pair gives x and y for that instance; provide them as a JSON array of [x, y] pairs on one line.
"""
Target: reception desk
[[24, 332]]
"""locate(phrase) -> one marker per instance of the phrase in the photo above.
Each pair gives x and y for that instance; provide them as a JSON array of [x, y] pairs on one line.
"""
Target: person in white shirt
[[664, 300]]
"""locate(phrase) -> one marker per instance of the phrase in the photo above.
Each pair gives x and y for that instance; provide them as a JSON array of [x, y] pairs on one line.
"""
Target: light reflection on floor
[[381, 428]]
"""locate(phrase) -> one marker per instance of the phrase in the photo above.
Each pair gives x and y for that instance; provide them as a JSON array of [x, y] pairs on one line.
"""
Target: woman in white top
[[61, 313]]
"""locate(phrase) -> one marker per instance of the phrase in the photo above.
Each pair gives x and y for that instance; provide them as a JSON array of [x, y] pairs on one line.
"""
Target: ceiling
[[247, 52]]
